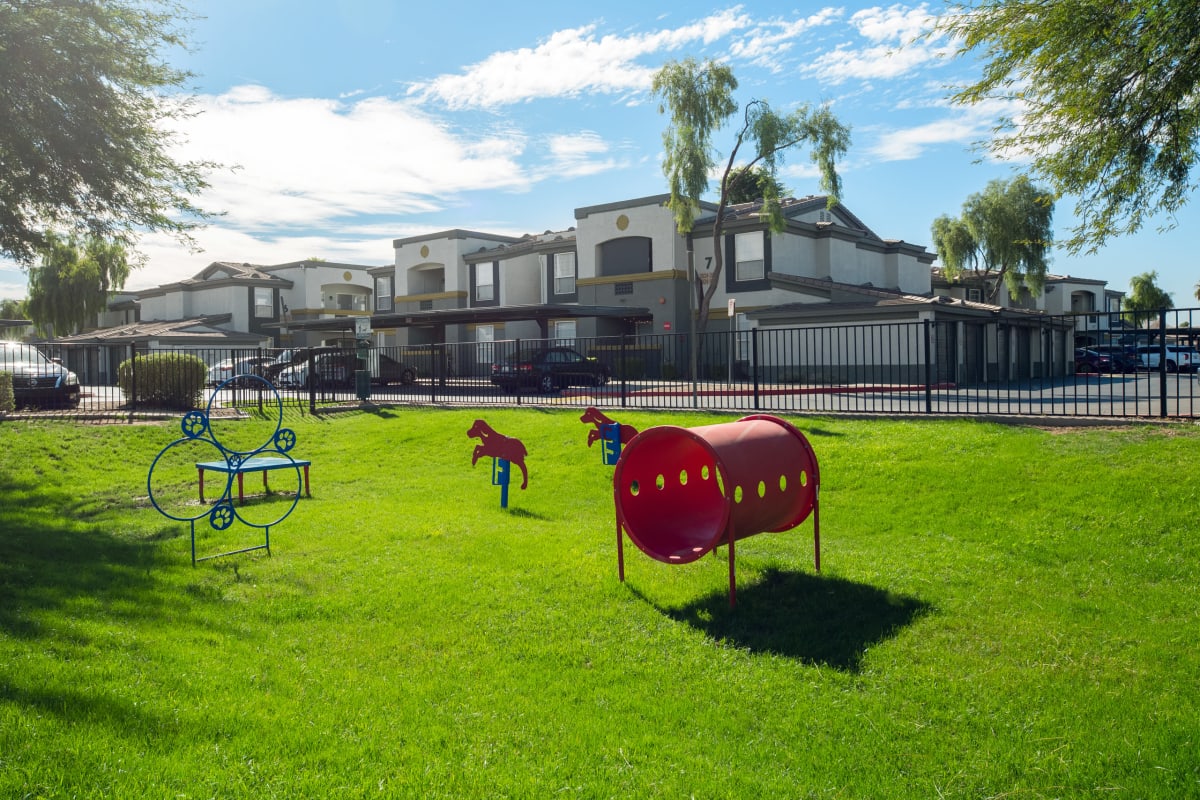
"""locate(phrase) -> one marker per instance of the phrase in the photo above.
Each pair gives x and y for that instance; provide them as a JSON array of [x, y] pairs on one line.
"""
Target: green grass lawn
[[1001, 612]]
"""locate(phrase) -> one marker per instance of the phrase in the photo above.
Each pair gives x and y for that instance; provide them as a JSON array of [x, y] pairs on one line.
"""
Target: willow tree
[[699, 99], [1003, 235], [72, 283], [91, 106], [1104, 98]]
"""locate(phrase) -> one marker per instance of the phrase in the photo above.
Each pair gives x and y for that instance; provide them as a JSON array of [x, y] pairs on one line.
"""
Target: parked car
[[1090, 361], [231, 368], [337, 369], [1180, 358], [1123, 357], [548, 369], [36, 379], [293, 357]]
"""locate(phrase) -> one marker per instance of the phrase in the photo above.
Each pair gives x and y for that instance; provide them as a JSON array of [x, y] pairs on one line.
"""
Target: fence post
[[1162, 362], [928, 325], [312, 383], [438, 368], [624, 367], [516, 359], [754, 363], [132, 399]]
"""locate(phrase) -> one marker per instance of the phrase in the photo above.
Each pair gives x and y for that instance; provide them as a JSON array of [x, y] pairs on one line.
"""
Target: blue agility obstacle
[[273, 454]]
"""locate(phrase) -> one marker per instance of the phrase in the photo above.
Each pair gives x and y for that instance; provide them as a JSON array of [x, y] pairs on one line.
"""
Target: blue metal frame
[[196, 427]]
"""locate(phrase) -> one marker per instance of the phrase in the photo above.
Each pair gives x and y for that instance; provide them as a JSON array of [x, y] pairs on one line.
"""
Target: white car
[[293, 377], [1180, 358], [230, 368]]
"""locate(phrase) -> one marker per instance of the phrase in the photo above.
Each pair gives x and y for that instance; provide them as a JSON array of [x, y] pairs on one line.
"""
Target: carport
[[439, 318]]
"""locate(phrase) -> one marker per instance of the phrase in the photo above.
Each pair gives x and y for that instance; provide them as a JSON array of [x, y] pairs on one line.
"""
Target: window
[[485, 288], [348, 302], [563, 331], [626, 256], [383, 293], [974, 295], [485, 335], [750, 262], [264, 303], [564, 273]]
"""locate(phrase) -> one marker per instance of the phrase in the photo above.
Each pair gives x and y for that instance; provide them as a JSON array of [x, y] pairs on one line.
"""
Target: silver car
[[37, 380]]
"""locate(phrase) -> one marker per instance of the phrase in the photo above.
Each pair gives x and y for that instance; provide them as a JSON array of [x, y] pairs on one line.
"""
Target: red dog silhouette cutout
[[596, 417], [498, 446]]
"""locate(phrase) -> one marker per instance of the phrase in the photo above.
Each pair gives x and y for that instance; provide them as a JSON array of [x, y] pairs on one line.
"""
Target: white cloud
[[893, 46], [910, 143], [768, 41], [966, 126], [305, 161], [570, 63], [578, 155], [305, 173], [897, 23]]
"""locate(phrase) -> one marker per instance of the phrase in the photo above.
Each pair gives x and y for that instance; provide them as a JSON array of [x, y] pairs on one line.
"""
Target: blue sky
[[345, 124]]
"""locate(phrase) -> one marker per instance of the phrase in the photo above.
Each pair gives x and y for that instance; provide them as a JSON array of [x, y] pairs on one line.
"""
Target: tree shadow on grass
[[117, 716], [818, 620], [56, 551], [61, 570]]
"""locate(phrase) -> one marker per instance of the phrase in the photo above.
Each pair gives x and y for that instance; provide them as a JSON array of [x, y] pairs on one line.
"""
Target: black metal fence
[[932, 368]]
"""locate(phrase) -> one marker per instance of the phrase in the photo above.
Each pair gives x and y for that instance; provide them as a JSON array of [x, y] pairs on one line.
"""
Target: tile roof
[[201, 330]]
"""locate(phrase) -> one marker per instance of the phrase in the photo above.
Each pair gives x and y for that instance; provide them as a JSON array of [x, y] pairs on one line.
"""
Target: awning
[[541, 314]]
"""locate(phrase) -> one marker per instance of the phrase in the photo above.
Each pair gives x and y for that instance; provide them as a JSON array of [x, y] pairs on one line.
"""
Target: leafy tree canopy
[[1004, 233], [12, 309], [748, 184], [89, 107], [1107, 100], [72, 284], [1145, 297], [698, 97]]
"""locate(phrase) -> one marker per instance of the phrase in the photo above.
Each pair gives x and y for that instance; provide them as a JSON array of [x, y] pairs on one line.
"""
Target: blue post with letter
[[610, 436], [500, 468]]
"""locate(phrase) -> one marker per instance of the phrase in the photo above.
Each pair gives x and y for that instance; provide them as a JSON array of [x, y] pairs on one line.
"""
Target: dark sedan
[[548, 369], [37, 380], [1091, 361]]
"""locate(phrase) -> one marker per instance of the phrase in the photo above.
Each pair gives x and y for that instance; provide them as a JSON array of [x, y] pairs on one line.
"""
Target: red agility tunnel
[[681, 492]]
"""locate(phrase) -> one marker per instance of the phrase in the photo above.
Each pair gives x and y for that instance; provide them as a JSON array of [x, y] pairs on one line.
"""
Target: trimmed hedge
[[7, 401], [169, 380]]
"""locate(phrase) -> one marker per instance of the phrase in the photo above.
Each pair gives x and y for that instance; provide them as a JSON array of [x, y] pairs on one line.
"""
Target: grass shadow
[[82, 707], [818, 620], [57, 550], [520, 512]]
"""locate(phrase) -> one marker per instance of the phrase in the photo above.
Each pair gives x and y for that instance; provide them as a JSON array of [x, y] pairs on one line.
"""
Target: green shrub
[[169, 380], [633, 369], [670, 372], [7, 401]]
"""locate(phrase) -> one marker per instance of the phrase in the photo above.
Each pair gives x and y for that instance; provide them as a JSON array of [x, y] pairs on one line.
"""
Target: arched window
[[629, 255]]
